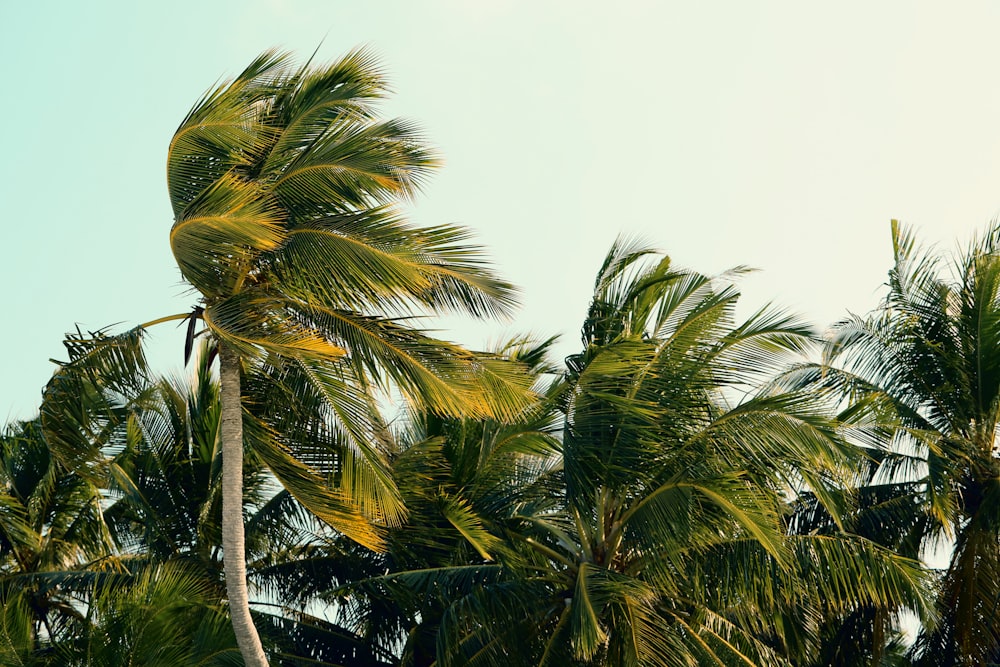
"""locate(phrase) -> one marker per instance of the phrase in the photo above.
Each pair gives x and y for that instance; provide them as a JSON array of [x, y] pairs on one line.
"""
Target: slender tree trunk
[[233, 545]]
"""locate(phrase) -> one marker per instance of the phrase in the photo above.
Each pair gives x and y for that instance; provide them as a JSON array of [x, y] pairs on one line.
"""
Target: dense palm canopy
[[53, 541], [661, 502], [687, 489], [70, 575], [647, 522], [137, 543], [464, 481]]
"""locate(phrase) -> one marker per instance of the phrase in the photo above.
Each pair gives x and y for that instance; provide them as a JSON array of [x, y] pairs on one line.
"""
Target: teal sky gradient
[[782, 135]]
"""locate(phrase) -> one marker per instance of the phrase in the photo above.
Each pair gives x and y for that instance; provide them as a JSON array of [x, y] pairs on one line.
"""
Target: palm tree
[[881, 512], [280, 182], [923, 371], [54, 541], [160, 616], [163, 485], [677, 467]]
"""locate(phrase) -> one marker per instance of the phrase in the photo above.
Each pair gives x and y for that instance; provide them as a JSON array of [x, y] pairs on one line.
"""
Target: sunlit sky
[[781, 135]]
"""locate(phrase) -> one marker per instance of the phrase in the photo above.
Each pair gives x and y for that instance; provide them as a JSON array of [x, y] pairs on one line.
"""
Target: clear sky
[[783, 135]]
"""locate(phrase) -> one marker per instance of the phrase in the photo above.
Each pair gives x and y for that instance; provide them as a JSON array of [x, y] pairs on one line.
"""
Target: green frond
[[317, 97], [85, 404], [313, 490], [217, 239], [728, 643], [116, 362], [222, 131], [839, 568], [372, 260], [588, 635], [624, 252], [255, 322], [17, 641], [460, 514], [353, 166], [328, 262], [329, 421], [162, 617]]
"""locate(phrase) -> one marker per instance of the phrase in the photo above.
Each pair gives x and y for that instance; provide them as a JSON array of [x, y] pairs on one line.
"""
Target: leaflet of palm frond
[[24, 458], [836, 565], [460, 514], [719, 639], [760, 347]]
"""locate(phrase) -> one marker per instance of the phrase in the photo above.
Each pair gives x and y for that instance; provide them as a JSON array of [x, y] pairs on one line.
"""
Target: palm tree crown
[[281, 182]]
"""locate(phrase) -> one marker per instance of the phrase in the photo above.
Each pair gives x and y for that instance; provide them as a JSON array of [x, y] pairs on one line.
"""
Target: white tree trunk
[[233, 544]]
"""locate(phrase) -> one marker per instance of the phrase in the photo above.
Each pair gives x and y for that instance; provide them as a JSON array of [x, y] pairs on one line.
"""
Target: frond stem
[[168, 318], [551, 553]]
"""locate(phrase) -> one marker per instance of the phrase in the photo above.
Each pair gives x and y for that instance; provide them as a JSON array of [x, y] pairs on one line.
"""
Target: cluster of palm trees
[[689, 489]]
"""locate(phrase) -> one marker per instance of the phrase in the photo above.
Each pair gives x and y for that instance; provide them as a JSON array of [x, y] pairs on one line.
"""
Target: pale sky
[[782, 135]]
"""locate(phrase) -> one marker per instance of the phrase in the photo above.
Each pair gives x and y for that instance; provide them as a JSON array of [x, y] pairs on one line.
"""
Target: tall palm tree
[[677, 468], [924, 371], [280, 182]]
